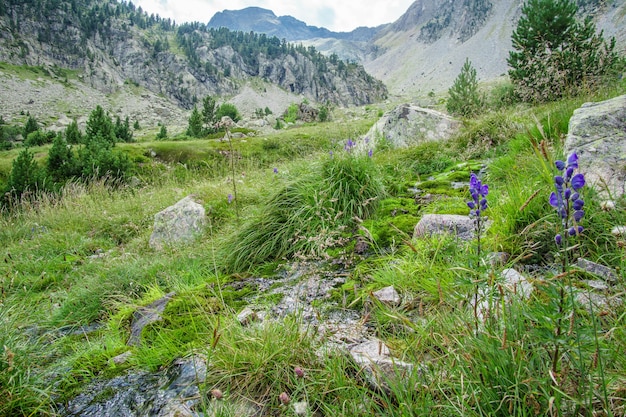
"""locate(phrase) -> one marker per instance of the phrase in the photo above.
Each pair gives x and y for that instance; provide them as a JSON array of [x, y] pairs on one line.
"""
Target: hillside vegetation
[[82, 257], [305, 224]]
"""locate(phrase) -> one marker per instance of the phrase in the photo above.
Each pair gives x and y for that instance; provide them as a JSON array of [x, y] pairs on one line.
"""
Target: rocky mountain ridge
[[110, 45], [257, 19], [424, 50]]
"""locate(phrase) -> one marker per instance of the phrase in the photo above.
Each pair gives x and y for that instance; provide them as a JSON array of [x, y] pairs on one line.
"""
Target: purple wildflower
[[275, 170], [566, 199], [230, 198], [478, 191], [370, 153], [349, 145]]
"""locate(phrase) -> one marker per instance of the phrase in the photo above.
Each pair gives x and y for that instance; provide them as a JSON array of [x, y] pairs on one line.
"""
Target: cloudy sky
[[336, 15]]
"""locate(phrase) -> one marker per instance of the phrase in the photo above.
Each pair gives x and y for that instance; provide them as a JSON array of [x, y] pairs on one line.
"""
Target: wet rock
[[173, 392], [146, 315], [388, 295], [602, 271], [380, 367], [597, 133], [179, 223]]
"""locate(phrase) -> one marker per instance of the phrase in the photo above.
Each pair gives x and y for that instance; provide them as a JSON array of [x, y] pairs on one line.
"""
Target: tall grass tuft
[[308, 215]]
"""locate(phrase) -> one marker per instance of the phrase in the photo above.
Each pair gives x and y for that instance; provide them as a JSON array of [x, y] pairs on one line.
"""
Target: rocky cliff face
[[111, 44], [424, 50]]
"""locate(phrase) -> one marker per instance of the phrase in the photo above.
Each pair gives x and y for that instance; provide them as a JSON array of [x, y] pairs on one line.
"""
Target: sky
[[336, 15]]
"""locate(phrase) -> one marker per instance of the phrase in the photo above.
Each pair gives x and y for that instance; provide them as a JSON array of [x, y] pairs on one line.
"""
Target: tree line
[[74, 155]]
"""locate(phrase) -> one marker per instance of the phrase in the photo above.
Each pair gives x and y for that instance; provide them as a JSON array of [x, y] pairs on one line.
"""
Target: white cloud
[[344, 15]]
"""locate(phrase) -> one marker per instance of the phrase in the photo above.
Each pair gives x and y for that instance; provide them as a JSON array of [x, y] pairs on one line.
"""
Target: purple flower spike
[[566, 199], [578, 181], [554, 200], [572, 160], [230, 198], [578, 215], [275, 170], [578, 204], [370, 153]]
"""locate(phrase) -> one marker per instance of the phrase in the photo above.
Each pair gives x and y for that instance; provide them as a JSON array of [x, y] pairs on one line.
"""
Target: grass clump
[[309, 214]]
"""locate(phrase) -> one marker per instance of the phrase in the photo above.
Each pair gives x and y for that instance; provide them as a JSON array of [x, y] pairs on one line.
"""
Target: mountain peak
[[257, 19]]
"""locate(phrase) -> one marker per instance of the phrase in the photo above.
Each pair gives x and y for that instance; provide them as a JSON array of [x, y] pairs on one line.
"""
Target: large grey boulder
[[409, 124], [454, 224], [179, 223], [597, 133]]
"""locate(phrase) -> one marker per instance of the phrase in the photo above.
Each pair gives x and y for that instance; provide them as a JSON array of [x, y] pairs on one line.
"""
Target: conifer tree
[[61, 164], [208, 114], [25, 174], [554, 54], [194, 128], [72, 134], [464, 98], [30, 126], [99, 124]]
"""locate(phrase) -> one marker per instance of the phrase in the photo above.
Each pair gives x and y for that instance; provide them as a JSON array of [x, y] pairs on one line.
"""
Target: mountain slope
[[111, 44], [424, 50]]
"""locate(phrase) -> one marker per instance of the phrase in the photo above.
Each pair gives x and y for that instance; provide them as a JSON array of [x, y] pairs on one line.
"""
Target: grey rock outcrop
[[460, 226], [597, 133], [409, 124], [179, 223]]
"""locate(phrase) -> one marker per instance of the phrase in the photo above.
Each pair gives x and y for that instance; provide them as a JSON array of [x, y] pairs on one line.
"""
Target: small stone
[[597, 285], [496, 259], [122, 358], [607, 205], [517, 283], [375, 360], [619, 231], [247, 316], [301, 408], [602, 271], [388, 295]]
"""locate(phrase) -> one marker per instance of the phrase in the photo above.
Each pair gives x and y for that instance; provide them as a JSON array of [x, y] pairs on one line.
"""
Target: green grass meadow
[[81, 257]]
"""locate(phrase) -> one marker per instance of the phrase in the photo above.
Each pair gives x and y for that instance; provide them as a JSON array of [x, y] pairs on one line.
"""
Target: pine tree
[[72, 134], [555, 55], [99, 124], [208, 114], [464, 98], [195, 123], [30, 126], [162, 135], [122, 130], [61, 164], [25, 174]]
